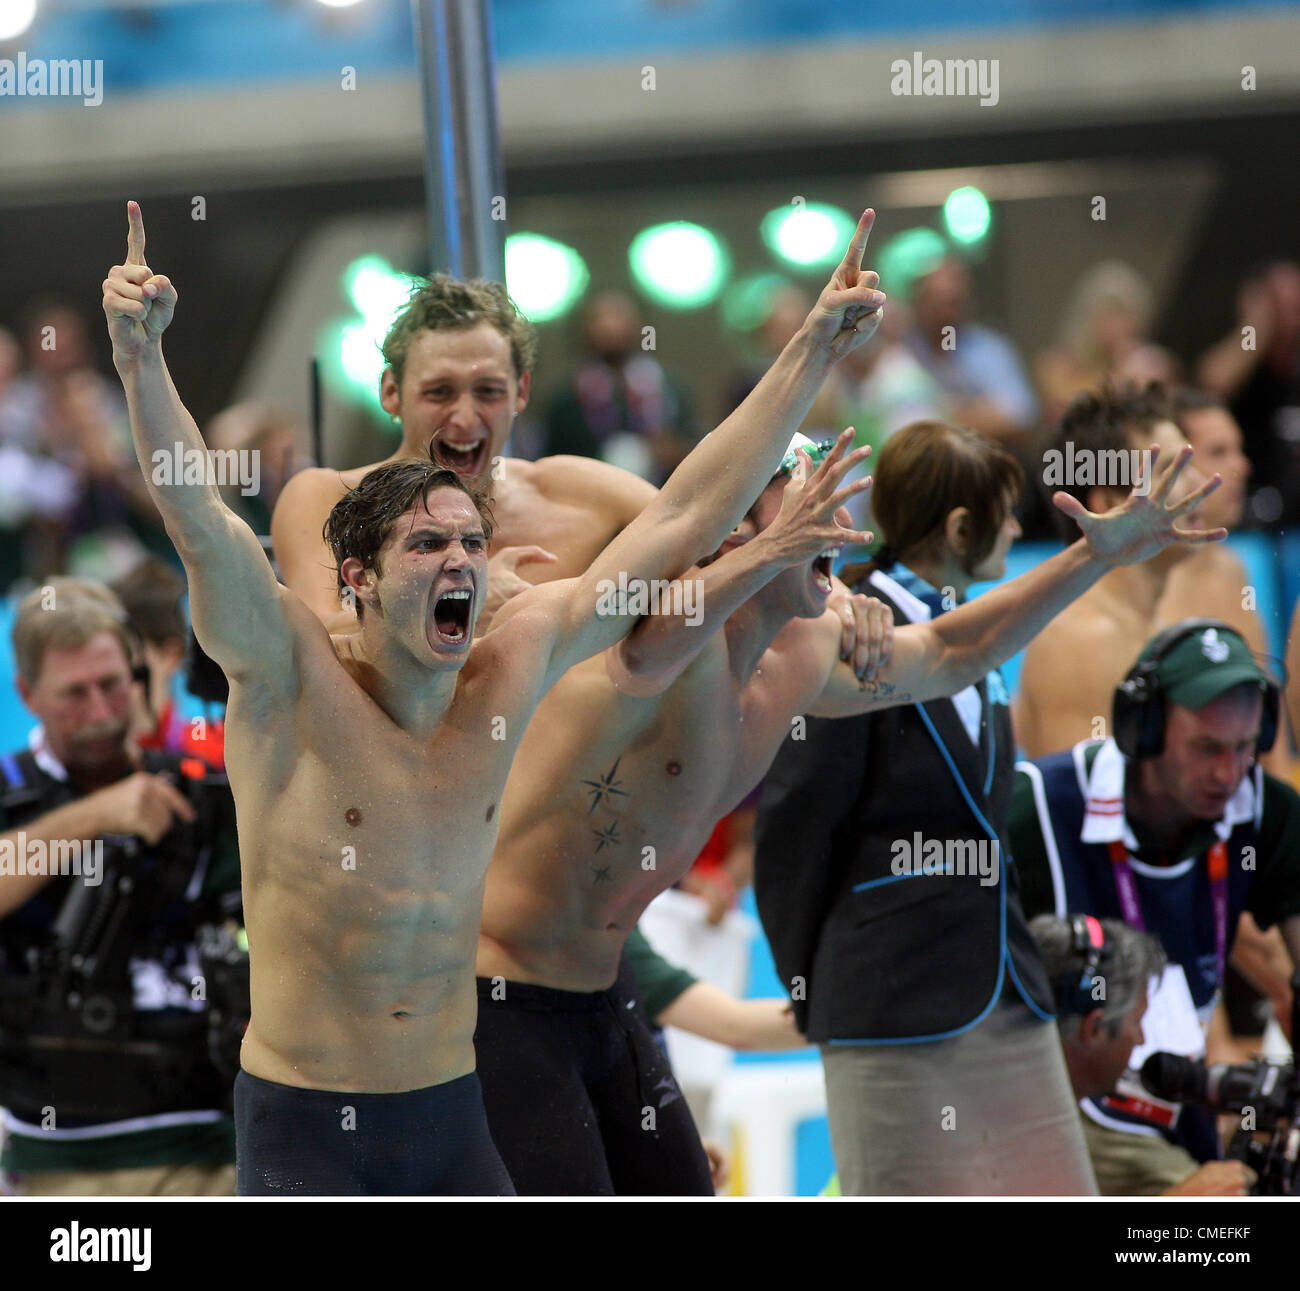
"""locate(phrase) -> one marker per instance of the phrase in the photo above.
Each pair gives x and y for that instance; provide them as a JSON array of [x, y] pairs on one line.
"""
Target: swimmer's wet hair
[[363, 518], [447, 303], [1116, 418]]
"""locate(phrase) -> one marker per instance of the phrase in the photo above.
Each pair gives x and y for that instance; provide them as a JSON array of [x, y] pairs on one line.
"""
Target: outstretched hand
[[504, 583], [138, 303], [811, 519], [1144, 524], [850, 308]]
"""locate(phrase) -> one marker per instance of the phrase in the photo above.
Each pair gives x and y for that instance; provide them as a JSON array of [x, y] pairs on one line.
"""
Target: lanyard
[[1126, 886]]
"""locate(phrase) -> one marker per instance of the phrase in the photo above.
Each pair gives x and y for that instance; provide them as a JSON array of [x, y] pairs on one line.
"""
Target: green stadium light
[[352, 357], [908, 256], [967, 215], [807, 235], [747, 302], [545, 278], [680, 265], [376, 289]]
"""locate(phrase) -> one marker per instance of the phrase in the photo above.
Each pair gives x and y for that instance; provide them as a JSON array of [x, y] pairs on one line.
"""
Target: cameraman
[[1172, 827], [110, 860], [1100, 1030]]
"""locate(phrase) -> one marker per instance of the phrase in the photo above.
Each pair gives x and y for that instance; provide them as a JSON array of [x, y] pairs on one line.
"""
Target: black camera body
[[71, 1036], [1265, 1094]]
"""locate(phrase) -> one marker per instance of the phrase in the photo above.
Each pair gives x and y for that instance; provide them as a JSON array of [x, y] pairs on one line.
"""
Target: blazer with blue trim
[[868, 955]]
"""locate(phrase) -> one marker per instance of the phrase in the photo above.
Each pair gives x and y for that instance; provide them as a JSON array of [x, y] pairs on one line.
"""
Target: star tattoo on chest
[[607, 837], [605, 788]]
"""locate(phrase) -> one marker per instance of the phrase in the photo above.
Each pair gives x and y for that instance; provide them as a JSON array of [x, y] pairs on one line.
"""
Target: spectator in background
[[1071, 668], [977, 368], [34, 490], [14, 426], [136, 1075], [83, 505], [787, 307], [1099, 1038], [1293, 669], [1103, 338], [923, 989], [282, 445], [1212, 581], [1256, 370], [620, 404], [1171, 826], [114, 522], [152, 593], [884, 388]]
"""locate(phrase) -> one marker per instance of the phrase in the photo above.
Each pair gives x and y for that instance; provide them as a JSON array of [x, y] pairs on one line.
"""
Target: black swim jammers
[[334, 1143]]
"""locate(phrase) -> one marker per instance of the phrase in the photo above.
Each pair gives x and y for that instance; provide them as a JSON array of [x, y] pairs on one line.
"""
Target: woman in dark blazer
[[887, 892]]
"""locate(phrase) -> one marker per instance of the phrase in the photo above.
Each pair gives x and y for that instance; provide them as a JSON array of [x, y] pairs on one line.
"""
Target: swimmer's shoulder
[[589, 483], [308, 489]]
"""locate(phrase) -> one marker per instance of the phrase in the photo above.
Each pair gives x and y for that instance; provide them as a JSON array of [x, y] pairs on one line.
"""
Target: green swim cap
[[816, 449]]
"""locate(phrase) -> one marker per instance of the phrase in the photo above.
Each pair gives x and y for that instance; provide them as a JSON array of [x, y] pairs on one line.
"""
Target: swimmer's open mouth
[[451, 615], [464, 459], [822, 568]]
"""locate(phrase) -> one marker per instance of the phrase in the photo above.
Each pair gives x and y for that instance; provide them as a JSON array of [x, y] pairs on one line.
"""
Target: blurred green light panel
[[680, 265], [809, 235], [908, 256], [376, 289], [353, 358], [747, 302], [352, 362], [967, 215], [544, 277]]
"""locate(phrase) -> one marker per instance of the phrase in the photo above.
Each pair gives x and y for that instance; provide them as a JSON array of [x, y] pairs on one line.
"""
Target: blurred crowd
[[935, 358], [72, 498]]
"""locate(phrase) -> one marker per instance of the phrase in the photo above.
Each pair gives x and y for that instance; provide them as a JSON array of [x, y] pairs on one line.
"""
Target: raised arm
[[709, 493], [238, 608], [955, 650], [661, 646]]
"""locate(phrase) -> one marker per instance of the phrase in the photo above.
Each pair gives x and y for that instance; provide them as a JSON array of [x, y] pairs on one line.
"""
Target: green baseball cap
[[1205, 665]]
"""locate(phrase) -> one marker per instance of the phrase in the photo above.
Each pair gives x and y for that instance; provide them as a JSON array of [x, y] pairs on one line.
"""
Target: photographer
[[1172, 827], [116, 864], [1099, 1029]]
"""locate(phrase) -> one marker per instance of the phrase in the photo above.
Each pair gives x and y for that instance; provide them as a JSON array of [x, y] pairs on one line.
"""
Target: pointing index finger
[[134, 234], [858, 246]]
